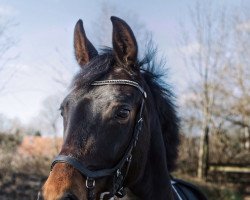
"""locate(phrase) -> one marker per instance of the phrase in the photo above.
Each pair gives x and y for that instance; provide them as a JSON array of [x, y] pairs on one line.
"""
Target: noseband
[[120, 170]]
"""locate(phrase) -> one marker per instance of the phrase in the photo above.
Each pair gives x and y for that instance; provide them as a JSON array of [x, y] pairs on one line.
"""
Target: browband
[[121, 82]]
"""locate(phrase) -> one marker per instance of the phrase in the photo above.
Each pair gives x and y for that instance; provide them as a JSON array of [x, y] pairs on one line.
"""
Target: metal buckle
[[90, 183], [103, 194], [121, 193], [118, 173], [129, 158]]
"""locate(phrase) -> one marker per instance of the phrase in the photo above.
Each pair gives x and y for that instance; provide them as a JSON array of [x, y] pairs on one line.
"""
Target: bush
[[8, 147]]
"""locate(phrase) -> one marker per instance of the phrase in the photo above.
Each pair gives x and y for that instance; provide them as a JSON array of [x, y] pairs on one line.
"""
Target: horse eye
[[123, 113]]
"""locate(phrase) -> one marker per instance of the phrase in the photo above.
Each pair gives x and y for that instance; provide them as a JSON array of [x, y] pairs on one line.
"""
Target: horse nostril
[[69, 196]]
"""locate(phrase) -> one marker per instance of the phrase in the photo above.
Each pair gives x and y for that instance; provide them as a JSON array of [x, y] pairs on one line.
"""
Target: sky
[[44, 35]]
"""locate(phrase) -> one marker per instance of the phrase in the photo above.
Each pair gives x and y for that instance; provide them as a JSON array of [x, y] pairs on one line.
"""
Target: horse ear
[[124, 42], [84, 50]]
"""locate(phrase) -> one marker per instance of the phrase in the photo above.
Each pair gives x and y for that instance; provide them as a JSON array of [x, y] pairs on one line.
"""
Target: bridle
[[120, 170]]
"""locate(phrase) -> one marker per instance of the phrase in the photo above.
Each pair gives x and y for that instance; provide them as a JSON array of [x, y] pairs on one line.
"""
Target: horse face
[[98, 128], [98, 124], [98, 120]]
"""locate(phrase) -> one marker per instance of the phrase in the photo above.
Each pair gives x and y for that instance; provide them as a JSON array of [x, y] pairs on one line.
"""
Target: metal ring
[[103, 194], [90, 183]]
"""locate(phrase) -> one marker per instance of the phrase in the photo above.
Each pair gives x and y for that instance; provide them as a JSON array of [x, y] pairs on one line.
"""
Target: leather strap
[[185, 190], [81, 167]]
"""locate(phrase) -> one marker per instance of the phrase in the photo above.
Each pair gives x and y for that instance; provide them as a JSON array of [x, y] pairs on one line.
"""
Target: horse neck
[[155, 182]]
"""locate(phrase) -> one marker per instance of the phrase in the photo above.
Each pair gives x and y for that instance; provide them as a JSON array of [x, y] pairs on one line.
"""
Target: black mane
[[163, 100], [153, 77]]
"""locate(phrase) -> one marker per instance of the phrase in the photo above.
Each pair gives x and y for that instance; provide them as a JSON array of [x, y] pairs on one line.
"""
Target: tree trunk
[[247, 138], [203, 154]]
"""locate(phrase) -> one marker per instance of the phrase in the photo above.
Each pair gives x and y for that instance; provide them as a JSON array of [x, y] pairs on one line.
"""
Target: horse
[[121, 128]]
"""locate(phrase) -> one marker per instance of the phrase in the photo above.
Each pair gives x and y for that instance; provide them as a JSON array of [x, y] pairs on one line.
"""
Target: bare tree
[[48, 119], [235, 80], [7, 42], [5, 123], [205, 46]]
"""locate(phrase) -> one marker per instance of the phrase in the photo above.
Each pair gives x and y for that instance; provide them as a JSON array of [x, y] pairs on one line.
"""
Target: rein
[[120, 170]]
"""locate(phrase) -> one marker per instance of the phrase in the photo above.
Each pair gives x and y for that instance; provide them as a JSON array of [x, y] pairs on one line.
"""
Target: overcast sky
[[45, 40]]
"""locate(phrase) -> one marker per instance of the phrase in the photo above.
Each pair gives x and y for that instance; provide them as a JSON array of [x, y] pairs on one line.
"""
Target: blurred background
[[205, 46]]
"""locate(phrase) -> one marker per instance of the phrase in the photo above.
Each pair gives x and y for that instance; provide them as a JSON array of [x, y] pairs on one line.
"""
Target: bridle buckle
[[90, 183], [129, 158]]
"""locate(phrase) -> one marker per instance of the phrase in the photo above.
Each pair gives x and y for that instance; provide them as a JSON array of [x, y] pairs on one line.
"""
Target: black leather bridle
[[120, 170]]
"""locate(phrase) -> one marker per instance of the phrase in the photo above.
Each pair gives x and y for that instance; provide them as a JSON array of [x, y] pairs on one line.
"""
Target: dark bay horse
[[120, 126]]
